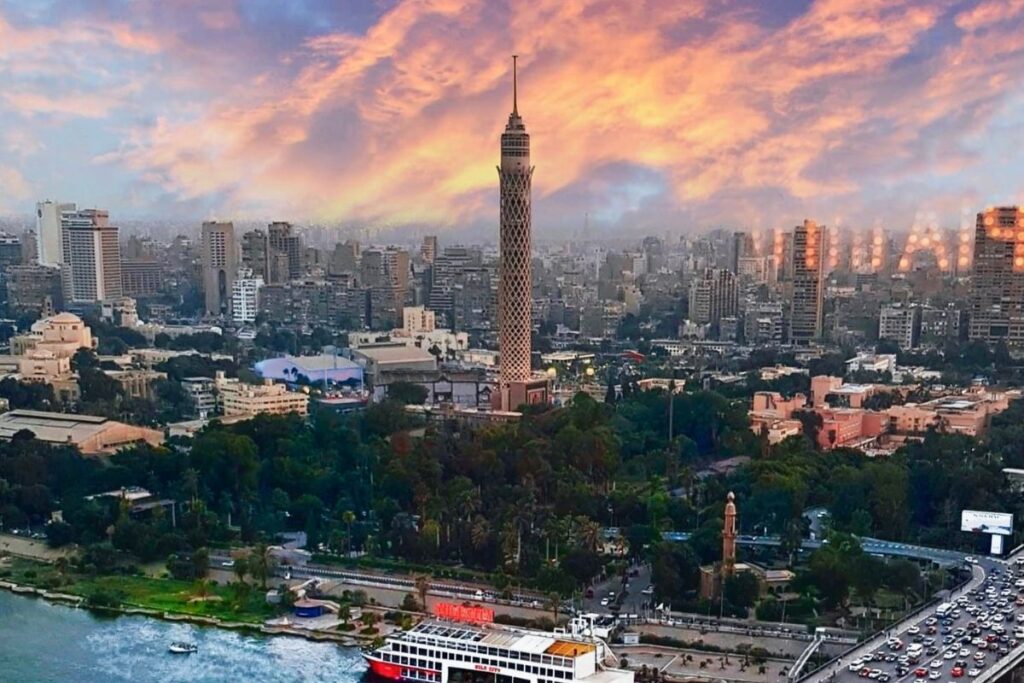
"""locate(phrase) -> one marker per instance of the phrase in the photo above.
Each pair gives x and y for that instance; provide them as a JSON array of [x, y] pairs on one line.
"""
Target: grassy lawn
[[166, 595]]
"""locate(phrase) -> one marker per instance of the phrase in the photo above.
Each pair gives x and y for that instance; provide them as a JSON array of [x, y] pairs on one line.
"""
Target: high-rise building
[[220, 264], [10, 251], [713, 296], [763, 324], [29, 247], [428, 250], [997, 296], [142, 277], [900, 323], [49, 238], [256, 253], [91, 256], [245, 293], [344, 260], [34, 288], [515, 175], [805, 324], [941, 324], [397, 267], [742, 247], [283, 241]]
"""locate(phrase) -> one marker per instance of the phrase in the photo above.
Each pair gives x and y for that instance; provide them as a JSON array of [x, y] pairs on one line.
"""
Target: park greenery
[[526, 503]]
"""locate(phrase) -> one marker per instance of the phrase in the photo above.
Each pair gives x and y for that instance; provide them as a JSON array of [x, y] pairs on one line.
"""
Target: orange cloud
[[400, 122]]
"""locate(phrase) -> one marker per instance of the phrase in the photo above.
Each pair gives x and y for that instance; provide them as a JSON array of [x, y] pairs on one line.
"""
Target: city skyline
[[654, 118]]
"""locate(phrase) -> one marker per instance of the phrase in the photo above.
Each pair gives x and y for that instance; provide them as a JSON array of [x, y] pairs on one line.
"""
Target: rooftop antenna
[[515, 87]]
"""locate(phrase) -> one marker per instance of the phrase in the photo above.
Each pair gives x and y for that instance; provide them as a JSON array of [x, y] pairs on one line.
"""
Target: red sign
[[447, 610], [484, 667]]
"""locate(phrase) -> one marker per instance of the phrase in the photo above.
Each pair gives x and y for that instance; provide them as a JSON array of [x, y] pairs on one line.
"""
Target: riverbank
[[48, 642], [201, 604]]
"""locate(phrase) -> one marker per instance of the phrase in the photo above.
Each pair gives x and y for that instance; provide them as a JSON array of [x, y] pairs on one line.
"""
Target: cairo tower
[[516, 383]]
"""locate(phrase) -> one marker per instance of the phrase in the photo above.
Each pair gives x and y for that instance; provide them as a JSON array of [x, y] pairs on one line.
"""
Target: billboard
[[986, 522], [471, 613]]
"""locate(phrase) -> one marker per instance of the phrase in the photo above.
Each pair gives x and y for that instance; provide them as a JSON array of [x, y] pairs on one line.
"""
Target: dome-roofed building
[[62, 335]]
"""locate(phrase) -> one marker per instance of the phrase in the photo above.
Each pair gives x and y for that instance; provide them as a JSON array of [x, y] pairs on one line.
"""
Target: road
[[873, 546], [404, 584], [950, 641]]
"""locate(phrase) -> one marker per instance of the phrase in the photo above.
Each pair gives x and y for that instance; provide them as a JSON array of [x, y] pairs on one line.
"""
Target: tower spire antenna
[[515, 86]]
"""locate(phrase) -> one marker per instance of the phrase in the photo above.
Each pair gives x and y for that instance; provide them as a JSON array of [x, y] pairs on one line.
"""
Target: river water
[[46, 643]]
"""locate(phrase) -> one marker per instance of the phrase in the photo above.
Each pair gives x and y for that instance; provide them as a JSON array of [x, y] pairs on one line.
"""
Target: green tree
[[742, 589], [407, 393]]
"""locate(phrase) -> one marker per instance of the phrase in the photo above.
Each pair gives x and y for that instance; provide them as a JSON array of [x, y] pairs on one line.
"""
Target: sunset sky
[[651, 115]]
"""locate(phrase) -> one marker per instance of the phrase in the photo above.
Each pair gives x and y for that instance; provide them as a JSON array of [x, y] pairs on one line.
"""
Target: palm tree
[[348, 517], [241, 568], [588, 532], [61, 565], [422, 584], [480, 534], [555, 605], [261, 564], [201, 589]]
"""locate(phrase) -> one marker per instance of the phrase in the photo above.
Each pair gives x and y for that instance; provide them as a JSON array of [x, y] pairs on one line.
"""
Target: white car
[[974, 673], [914, 630], [604, 602]]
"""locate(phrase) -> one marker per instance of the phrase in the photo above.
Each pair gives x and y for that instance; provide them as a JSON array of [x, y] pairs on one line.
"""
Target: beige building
[[90, 434], [417, 319], [62, 335], [238, 398], [137, 383], [39, 365]]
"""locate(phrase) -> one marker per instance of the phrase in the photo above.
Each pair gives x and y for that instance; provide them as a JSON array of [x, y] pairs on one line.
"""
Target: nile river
[[45, 643]]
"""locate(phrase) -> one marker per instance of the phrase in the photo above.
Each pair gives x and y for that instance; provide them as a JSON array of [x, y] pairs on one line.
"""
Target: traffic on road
[[957, 639]]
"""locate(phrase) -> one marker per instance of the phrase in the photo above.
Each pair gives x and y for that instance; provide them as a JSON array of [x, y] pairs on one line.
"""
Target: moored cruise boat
[[438, 651]]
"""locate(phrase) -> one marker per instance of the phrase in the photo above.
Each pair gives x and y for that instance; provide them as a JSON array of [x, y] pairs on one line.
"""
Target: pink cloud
[[399, 123]]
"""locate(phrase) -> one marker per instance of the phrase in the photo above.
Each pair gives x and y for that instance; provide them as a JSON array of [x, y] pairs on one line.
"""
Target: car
[[974, 673], [604, 602], [920, 672], [228, 563], [865, 672], [884, 678], [970, 560], [648, 591], [934, 675], [936, 664], [914, 630], [956, 672]]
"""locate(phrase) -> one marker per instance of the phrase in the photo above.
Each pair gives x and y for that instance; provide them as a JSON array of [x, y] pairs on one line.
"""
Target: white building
[[245, 293], [202, 390], [48, 232], [901, 324], [882, 362]]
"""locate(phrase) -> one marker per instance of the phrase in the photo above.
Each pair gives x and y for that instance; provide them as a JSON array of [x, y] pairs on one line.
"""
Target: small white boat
[[183, 648]]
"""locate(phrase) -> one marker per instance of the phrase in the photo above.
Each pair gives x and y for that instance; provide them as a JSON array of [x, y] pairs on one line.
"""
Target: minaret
[[514, 288], [729, 537]]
